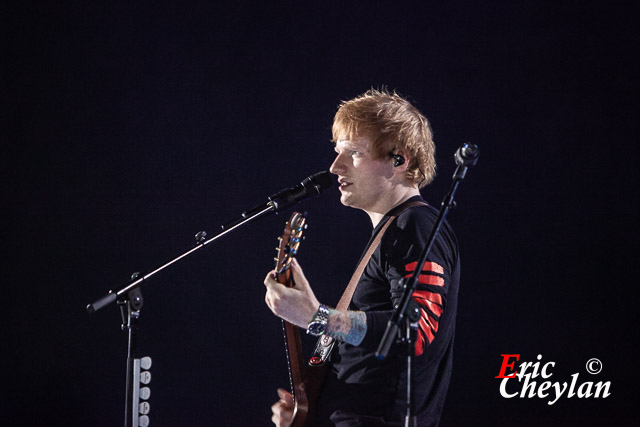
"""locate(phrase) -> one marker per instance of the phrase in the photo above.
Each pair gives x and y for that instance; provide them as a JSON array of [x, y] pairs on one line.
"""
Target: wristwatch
[[318, 324]]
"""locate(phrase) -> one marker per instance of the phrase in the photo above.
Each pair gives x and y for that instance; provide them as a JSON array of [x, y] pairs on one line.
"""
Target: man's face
[[363, 181]]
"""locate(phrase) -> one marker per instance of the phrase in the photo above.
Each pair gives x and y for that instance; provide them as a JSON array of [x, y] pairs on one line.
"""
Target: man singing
[[384, 155]]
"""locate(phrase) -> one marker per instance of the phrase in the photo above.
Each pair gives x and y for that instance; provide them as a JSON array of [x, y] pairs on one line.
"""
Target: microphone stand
[[407, 311], [129, 297], [130, 302]]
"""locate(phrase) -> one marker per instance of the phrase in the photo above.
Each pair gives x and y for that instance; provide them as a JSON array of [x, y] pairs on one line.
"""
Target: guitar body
[[312, 386], [296, 368], [305, 381]]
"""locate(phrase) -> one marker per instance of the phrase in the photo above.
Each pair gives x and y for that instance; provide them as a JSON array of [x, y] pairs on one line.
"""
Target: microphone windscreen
[[318, 182]]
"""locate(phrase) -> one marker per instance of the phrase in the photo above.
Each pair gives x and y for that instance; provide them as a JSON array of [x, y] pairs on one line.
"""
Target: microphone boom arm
[[112, 296], [311, 186]]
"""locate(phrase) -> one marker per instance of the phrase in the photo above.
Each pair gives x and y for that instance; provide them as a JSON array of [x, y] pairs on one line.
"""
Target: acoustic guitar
[[305, 381]]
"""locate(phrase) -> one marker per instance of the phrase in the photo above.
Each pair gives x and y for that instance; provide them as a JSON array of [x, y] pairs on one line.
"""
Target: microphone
[[467, 155], [284, 199], [309, 187]]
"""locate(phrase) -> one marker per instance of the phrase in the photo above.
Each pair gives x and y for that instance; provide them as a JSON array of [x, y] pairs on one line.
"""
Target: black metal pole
[[411, 334], [128, 407], [129, 326], [130, 311], [465, 156]]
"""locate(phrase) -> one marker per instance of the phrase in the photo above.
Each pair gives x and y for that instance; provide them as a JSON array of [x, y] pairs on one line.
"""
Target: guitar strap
[[325, 343]]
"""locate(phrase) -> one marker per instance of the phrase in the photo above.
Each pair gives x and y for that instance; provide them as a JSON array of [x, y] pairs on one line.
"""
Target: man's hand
[[296, 305], [283, 409]]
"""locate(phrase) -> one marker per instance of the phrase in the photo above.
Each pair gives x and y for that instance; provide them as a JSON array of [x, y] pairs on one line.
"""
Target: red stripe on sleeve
[[435, 308], [419, 344], [431, 296], [428, 266], [424, 331], [434, 323], [428, 279], [426, 324], [421, 337]]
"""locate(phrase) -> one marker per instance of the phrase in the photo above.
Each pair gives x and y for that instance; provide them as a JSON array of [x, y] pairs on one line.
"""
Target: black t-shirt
[[362, 390]]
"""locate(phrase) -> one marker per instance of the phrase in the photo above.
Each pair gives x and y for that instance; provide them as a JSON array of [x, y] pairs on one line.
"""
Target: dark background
[[129, 127]]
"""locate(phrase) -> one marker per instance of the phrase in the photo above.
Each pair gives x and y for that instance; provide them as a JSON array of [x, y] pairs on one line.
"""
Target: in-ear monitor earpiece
[[398, 160]]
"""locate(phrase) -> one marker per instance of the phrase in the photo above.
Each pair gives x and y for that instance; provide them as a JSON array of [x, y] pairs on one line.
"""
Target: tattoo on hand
[[347, 326]]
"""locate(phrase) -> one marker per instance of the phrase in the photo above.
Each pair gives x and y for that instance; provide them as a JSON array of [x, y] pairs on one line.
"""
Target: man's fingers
[[270, 280], [298, 274], [285, 396], [282, 415], [282, 409]]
